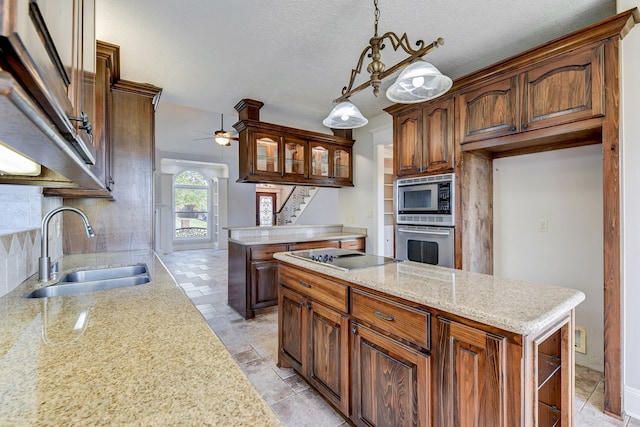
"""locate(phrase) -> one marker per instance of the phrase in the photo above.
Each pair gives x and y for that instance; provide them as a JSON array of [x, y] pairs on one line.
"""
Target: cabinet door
[[390, 381], [564, 90], [267, 153], [342, 165], [489, 111], [408, 146], [292, 335], [264, 284], [319, 161], [294, 157], [328, 357], [437, 150], [470, 376]]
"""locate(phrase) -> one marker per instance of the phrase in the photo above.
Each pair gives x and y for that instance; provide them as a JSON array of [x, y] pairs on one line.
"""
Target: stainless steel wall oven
[[425, 219]]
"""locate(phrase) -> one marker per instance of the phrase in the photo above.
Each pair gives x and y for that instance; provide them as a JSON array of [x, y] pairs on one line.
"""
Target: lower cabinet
[[263, 275], [390, 381], [314, 340], [470, 376]]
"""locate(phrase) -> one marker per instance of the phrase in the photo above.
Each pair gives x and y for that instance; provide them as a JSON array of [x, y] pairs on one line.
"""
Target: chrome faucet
[[45, 261]]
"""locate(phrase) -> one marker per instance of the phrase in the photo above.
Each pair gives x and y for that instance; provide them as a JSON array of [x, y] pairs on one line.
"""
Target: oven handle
[[437, 233]]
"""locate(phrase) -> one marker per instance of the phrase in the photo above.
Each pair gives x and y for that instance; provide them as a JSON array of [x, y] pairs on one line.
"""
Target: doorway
[[265, 209]]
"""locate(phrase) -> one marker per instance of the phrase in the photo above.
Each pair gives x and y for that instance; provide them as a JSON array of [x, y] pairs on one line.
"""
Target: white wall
[[563, 187], [322, 209], [359, 205], [178, 130], [630, 101]]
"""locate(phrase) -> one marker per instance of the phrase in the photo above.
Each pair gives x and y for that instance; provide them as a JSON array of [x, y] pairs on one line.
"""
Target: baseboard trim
[[632, 402]]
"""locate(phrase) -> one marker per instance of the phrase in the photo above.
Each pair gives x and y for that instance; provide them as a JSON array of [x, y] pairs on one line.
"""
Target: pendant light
[[345, 115], [419, 82]]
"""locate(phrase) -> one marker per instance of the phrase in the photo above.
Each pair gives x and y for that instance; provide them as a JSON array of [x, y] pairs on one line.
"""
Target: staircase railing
[[294, 205]]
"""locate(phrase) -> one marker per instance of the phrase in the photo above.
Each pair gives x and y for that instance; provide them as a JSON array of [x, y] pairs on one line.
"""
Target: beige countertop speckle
[[512, 305], [145, 356]]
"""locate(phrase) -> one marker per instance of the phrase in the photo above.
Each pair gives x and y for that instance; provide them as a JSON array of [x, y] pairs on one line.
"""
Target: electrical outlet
[[543, 225], [580, 340]]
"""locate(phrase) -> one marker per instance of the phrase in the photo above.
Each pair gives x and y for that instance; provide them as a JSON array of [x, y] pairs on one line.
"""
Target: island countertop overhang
[[516, 306]]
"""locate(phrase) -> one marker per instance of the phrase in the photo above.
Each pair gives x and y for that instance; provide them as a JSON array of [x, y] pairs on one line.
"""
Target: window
[[191, 195]]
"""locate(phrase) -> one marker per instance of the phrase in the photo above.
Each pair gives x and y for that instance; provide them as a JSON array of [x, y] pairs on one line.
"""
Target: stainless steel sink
[[100, 279]]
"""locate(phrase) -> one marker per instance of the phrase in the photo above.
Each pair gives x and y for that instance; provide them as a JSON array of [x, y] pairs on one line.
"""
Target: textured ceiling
[[296, 55]]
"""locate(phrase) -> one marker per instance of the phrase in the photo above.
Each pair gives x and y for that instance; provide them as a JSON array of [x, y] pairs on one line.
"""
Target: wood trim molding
[[111, 53], [143, 89]]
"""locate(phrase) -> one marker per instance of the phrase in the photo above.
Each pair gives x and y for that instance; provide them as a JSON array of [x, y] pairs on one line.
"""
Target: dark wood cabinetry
[[313, 312], [554, 92], [424, 139], [471, 376], [278, 154], [253, 272], [50, 50], [391, 381]]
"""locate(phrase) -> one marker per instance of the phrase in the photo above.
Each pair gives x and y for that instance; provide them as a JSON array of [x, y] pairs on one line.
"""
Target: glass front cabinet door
[[267, 154], [294, 158], [319, 161], [342, 165]]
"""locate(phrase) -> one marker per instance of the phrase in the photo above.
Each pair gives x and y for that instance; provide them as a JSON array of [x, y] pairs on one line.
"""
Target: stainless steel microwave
[[426, 200]]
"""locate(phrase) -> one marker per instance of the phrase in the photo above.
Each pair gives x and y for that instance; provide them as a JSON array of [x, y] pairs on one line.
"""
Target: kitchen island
[[252, 283], [140, 355], [412, 344]]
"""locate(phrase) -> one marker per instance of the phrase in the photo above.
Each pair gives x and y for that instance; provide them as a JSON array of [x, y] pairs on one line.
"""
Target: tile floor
[[253, 343]]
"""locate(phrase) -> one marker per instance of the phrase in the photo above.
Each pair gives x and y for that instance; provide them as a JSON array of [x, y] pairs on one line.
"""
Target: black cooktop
[[342, 259]]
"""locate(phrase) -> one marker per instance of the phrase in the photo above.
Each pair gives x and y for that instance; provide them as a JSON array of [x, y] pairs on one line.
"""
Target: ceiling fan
[[222, 137]]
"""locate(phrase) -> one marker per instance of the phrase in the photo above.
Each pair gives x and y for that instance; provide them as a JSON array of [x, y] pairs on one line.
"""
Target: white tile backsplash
[[21, 212]]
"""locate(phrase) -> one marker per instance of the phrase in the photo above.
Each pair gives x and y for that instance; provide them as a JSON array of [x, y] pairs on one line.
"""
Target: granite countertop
[[293, 233], [295, 238], [512, 305], [144, 356]]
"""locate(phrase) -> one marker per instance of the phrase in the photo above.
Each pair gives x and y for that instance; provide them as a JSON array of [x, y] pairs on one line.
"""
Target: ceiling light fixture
[[418, 82], [222, 137]]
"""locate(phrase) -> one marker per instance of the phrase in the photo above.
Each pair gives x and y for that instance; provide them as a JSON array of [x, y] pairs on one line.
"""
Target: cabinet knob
[[513, 128], [308, 306], [354, 330], [524, 126]]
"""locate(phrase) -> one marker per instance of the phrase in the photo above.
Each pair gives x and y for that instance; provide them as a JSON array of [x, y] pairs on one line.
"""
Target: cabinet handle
[[308, 306], [513, 128], [86, 124], [306, 285], [382, 316], [354, 330], [524, 126]]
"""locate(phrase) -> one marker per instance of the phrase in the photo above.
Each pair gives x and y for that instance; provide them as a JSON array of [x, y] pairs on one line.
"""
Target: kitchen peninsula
[[252, 283], [137, 355], [412, 344]]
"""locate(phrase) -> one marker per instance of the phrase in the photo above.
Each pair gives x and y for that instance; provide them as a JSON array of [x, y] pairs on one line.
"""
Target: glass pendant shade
[[418, 82], [345, 115]]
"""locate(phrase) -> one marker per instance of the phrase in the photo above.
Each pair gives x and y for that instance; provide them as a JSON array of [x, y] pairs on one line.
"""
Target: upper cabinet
[[424, 139], [49, 48], [277, 154], [557, 91]]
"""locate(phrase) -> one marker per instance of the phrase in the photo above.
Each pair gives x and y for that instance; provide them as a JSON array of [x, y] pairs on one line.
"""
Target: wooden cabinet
[[353, 244], [424, 139], [107, 74], [272, 153], [390, 343], [490, 111], [312, 313], [391, 381], [554, 92], [253, 272], [50, 49], [471, 376]]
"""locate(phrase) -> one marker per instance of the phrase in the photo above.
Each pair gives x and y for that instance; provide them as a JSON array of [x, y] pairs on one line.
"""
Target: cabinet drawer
[[321, 290], [354, 245], [389, 316], [314, 245], [265, 252]]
